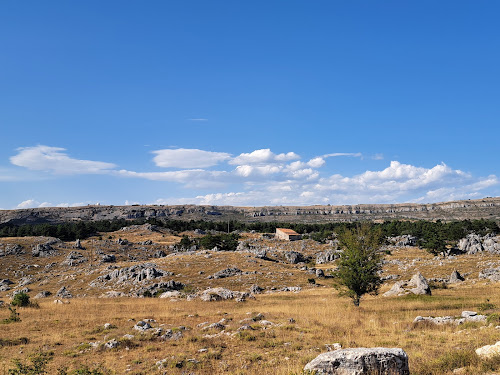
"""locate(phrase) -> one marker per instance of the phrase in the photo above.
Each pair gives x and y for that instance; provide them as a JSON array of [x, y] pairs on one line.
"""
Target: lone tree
[[360, 262]]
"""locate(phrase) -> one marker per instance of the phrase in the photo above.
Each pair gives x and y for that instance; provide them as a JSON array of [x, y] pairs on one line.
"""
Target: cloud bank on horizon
[[257, 178]]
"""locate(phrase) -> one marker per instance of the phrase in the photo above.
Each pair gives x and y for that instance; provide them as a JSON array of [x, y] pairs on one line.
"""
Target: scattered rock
[[489, 351], [112, 294], [63, 293], [133, 274], [255, 289], [11, 249], [142, 326], [294, 257], [420, 284], [74, 258], [159, 288], [112, 344], [358, 361], [78, 244], [475, 244], [327, 256], [43, 294], [466, 316], [228, 272], [417, 285], [108, 258], [43, 251], [492, 274], [332, 347], [219, 294], [455, 277], [406, 240], [170, 294]]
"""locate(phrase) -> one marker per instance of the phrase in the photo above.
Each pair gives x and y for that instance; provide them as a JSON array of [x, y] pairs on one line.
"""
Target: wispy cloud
[[198, 119], [261, 156], [263, 177], [188, 158], [55, 160], [353, 154]]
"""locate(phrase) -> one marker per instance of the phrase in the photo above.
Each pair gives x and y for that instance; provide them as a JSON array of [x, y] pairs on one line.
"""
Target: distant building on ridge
[[287, 234]]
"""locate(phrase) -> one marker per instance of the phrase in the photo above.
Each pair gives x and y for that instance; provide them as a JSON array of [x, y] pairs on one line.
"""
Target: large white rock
[[488, 351], [360, 361]]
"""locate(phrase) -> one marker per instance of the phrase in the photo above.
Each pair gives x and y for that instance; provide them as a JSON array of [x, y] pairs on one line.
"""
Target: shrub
[[38, 364], [486, 305], [14, 316], [493, 318], [21, 299]]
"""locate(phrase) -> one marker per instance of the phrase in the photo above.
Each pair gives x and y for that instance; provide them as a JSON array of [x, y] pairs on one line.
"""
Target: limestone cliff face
[[487, 208]]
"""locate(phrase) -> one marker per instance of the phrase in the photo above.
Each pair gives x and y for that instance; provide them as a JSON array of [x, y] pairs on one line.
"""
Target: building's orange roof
[[288, 231]]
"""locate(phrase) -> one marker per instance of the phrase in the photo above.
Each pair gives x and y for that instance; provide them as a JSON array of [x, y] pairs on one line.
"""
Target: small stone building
[[287, 234]]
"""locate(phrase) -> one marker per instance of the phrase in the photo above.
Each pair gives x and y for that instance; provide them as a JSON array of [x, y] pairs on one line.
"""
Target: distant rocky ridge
[[487, 208]]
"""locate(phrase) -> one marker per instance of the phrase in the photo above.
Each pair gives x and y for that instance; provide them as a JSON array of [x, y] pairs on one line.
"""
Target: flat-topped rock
[[360, 361]]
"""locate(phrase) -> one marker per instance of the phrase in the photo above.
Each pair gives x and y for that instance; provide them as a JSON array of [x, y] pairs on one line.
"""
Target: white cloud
[[188, 158], [378, 157], [396, 183], [354, 154], [29, 203], [317, 162], [259, 170], [54, 159], [261, 156]]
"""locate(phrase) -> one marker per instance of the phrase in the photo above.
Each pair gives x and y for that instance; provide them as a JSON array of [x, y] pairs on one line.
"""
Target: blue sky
[[248, 103]]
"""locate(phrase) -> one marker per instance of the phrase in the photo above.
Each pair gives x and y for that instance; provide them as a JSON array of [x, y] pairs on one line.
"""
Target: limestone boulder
[[417, 285], [489, 351], [420, 284], [360, 361]]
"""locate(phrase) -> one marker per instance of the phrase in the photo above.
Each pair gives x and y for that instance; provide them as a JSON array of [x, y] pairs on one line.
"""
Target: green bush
[[13, 317], [486, 305], [38, 364], [21, 299], [493, 319]]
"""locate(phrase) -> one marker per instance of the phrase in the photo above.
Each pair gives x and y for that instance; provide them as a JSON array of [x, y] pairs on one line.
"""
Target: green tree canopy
[[360, 262]]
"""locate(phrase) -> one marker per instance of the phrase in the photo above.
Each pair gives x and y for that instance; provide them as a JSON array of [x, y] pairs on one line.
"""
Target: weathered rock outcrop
[[467, 316], [294, 257], [455, 277], [74, 258], [227, 272], [219, 294], [492, 274], [43, 251], [327, 256], [133, 274], [487, 208], [360, 361], [11, 249], [475, 244], [403, 241], [417, 285]]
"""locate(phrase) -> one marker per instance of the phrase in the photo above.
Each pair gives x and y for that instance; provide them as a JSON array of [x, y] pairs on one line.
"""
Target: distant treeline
[[425, 231]]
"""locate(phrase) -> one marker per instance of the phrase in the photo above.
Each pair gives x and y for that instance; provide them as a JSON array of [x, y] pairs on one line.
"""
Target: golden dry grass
[[321, 317]]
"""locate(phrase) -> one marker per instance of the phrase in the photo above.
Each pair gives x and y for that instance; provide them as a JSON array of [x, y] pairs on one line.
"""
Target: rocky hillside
[[487, 208]]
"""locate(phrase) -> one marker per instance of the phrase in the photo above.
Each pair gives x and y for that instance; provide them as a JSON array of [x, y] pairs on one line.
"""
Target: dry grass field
[[319, 317], [284, 331]]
